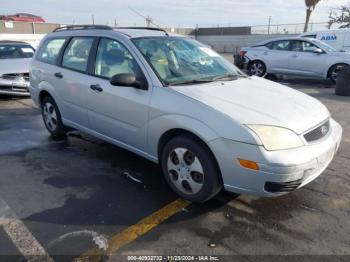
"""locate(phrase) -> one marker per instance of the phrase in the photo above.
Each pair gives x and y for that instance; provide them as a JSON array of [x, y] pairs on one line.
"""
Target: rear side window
[[77, 53], [283, 45], [310, 36], [50, 50]]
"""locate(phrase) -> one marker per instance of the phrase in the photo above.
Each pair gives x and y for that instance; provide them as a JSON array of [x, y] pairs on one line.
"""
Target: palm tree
[[310, 7]]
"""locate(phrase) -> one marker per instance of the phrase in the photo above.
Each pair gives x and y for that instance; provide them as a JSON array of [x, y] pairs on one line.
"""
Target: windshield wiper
[[194, 81], [229, 77]]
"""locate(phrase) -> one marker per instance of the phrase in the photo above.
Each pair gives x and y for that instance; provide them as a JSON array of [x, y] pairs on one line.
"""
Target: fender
[[160, 125]]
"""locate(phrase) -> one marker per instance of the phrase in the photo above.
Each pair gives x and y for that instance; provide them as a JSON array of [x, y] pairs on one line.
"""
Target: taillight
[[242, 53]]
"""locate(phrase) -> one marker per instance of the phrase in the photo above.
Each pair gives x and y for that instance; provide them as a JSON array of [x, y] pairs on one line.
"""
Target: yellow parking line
[[133, 232]]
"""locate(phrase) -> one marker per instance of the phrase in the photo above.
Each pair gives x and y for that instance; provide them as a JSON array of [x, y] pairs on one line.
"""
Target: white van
[[338, 38]]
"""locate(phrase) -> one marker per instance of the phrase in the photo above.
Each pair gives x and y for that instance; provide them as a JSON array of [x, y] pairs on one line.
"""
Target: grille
[[317, 133], [14, 76], [274, 187]]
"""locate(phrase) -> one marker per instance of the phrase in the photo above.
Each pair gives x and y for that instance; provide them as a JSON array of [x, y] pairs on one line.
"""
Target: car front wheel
[[190, 169]]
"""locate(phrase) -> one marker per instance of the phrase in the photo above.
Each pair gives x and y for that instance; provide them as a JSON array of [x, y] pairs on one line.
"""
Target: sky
[[176, 13]]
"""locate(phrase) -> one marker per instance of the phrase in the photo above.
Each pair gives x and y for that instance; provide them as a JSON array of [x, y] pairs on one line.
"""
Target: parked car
[[23, 17], [338, 38], [297, 56], [14, 67], [178, 103]]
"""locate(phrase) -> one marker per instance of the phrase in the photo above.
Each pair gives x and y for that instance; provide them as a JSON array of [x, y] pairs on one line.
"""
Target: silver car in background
[[14, 67], [178, 103], [298, 56]]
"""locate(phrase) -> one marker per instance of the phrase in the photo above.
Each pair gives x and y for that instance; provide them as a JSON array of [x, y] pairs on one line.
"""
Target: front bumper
[[17, 87], [280, 171]]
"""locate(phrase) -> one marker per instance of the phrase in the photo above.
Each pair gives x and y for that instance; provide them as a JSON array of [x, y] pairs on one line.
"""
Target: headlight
[[276, 138]]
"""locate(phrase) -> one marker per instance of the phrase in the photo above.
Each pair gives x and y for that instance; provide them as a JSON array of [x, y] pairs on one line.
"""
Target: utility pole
[[93, 19], [149, 21], [268, 29]]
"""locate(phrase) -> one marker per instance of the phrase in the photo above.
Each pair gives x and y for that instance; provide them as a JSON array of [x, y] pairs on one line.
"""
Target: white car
[[178, 103], [14, 67], [298, 56], [337, 38]]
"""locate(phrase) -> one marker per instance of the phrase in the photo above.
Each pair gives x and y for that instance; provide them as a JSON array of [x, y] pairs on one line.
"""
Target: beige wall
[[26, 28]]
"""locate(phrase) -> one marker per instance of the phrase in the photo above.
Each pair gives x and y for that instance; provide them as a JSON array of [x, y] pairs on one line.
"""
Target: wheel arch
[[42, 95], [333, 65], [178, 132]]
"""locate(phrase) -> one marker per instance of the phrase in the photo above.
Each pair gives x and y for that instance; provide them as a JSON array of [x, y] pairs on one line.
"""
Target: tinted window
[[113, 58], [283, 45], [77, 53], [48, 53], [16, 51]]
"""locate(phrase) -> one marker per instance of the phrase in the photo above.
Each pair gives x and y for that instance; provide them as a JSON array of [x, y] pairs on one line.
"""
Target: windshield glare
[[16, 51], [178, 60], [324, 46]]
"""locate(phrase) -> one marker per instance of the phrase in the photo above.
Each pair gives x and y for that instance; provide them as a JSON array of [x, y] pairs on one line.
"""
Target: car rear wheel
[[190, 170], [333, 72], [257, 68], [52, 118]]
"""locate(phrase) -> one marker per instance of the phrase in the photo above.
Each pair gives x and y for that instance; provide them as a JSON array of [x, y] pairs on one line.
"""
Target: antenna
[[148, 19]]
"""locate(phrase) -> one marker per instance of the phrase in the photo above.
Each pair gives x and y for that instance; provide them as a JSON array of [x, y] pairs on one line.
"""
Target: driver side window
[[113, 58], [309, 47]]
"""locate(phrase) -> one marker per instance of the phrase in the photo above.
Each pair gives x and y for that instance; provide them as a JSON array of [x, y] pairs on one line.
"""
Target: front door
[[305, 61], [117, 112]]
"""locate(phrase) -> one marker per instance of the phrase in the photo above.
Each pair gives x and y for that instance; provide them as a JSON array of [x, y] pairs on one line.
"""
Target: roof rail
[[145, 28], [82, 27]]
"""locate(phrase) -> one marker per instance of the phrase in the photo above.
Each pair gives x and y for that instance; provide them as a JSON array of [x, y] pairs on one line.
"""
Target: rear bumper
[[280, 171]]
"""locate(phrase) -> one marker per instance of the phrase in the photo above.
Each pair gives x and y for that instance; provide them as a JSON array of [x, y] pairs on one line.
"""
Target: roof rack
[[82, 27], [145, 28]]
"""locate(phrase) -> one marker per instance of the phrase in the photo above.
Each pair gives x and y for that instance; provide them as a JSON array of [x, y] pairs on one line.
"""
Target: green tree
[[341, 17], [310, 7]]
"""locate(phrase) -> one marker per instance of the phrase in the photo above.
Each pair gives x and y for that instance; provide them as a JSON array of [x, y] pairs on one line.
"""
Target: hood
[[258, 101], [11, 66]]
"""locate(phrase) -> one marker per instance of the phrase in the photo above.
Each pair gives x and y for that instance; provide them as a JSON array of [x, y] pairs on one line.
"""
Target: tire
[[257, 68], [190, 169], [52, 118], [333, 72]]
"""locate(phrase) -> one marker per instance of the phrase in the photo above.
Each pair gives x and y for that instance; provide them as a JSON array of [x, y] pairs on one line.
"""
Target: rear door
[[304, 61], [277, 56], [72, 80], [117, 112]]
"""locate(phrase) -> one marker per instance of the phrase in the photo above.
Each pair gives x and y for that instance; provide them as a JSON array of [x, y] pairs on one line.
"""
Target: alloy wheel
[[257, 69]]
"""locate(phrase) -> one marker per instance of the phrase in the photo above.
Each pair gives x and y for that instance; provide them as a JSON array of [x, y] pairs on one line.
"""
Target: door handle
[[96, 87], [58, 75]]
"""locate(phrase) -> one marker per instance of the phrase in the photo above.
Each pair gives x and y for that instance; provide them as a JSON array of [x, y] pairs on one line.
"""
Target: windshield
[[324, 46], [15, 51], [179, 60]]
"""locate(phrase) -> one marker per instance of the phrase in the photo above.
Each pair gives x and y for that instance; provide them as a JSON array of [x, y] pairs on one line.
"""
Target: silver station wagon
[[178, 103]]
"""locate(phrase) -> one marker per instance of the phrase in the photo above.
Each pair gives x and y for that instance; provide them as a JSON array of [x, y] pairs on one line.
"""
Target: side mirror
[[318, 51], [128, 80]]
